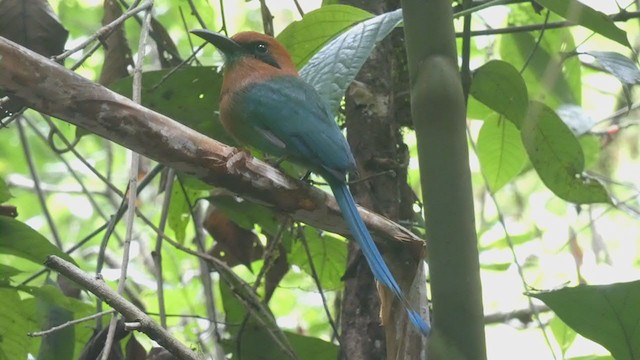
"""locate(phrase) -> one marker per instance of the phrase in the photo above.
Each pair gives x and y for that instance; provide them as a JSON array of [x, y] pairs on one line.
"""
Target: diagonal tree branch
[[50, 88]]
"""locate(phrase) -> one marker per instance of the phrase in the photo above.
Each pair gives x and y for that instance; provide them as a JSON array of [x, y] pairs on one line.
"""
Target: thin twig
[[251, 303], [133, 175], [299, 8], [195, 13], [512, 249], [105, 31], [223, 29], [316, 279], [71, 170], [70, 323], [36, 182], [619, 17], [537, 43], [157, 253], [54, 129], [124, 307]]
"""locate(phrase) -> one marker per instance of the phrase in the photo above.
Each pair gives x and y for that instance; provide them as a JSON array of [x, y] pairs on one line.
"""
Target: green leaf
[[256, 343], [547, 74], [329, 257], [305, 37], [4, 191], [496, 266], [557, 157], [564, 335], [17, 238], [333, 68], [246, 213], [591, 148], [179, 215], [60, 344], [581, 14], [501, 153], [498, 85], [260, 333], [190, 95], [14, 325], [606, 314], [6, 272]]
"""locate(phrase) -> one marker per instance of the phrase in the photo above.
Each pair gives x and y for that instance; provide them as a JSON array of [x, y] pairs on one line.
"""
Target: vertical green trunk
[[439, 117]]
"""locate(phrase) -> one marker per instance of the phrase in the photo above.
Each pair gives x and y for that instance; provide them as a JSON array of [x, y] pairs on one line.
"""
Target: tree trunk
[[375, 113], [439, 115]]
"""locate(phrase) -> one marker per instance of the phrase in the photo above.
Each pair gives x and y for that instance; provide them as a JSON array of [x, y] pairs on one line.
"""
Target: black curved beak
[[226, 45]]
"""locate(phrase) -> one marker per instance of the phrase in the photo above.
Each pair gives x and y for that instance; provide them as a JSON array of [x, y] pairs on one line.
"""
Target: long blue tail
[[370, 251]]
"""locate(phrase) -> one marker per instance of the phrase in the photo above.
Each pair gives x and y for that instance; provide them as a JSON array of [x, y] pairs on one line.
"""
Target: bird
[[265, 104]]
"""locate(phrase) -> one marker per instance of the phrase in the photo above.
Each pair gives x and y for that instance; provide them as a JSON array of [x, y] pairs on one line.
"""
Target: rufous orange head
[[250, 56]]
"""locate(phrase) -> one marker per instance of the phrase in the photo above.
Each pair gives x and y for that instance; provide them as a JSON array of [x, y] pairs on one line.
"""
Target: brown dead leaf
[[117, 56], [34, 25], [234, 244]]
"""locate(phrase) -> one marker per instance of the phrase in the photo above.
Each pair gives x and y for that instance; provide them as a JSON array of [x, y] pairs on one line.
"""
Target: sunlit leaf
[[4, 191], [550, 75], [579, 13], [17, 238], [557, 157], [329, 256], [180, 209], [498, 85], [606, 314], [305, 37], [496, 266], [564, 335], [333, 68], [501, 153]]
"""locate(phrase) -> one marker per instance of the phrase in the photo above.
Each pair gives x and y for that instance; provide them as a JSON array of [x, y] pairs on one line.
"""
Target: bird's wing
[[286, 110]]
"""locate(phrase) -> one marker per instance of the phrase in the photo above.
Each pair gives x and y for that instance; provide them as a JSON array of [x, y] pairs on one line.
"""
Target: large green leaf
[[500, 86], [606, 314], [14, 325], [333, 68], [579, 13], [501, 153], [550, 75], [557, 157], [543, 74], [190, 95], [17, 238], [305, 37], [329, 257]]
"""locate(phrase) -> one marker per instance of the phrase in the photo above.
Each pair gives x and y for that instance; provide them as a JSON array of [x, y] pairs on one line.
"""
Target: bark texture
[[376, 111], [50, 88]]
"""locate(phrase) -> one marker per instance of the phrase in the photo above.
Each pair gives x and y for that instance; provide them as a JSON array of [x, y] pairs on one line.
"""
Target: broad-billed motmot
[[265, 104]]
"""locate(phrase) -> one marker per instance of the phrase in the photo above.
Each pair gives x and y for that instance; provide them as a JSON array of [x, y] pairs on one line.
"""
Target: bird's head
[[250, 49]]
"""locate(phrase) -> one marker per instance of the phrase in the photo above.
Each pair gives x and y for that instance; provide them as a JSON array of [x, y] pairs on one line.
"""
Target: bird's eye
[[261, 48]]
